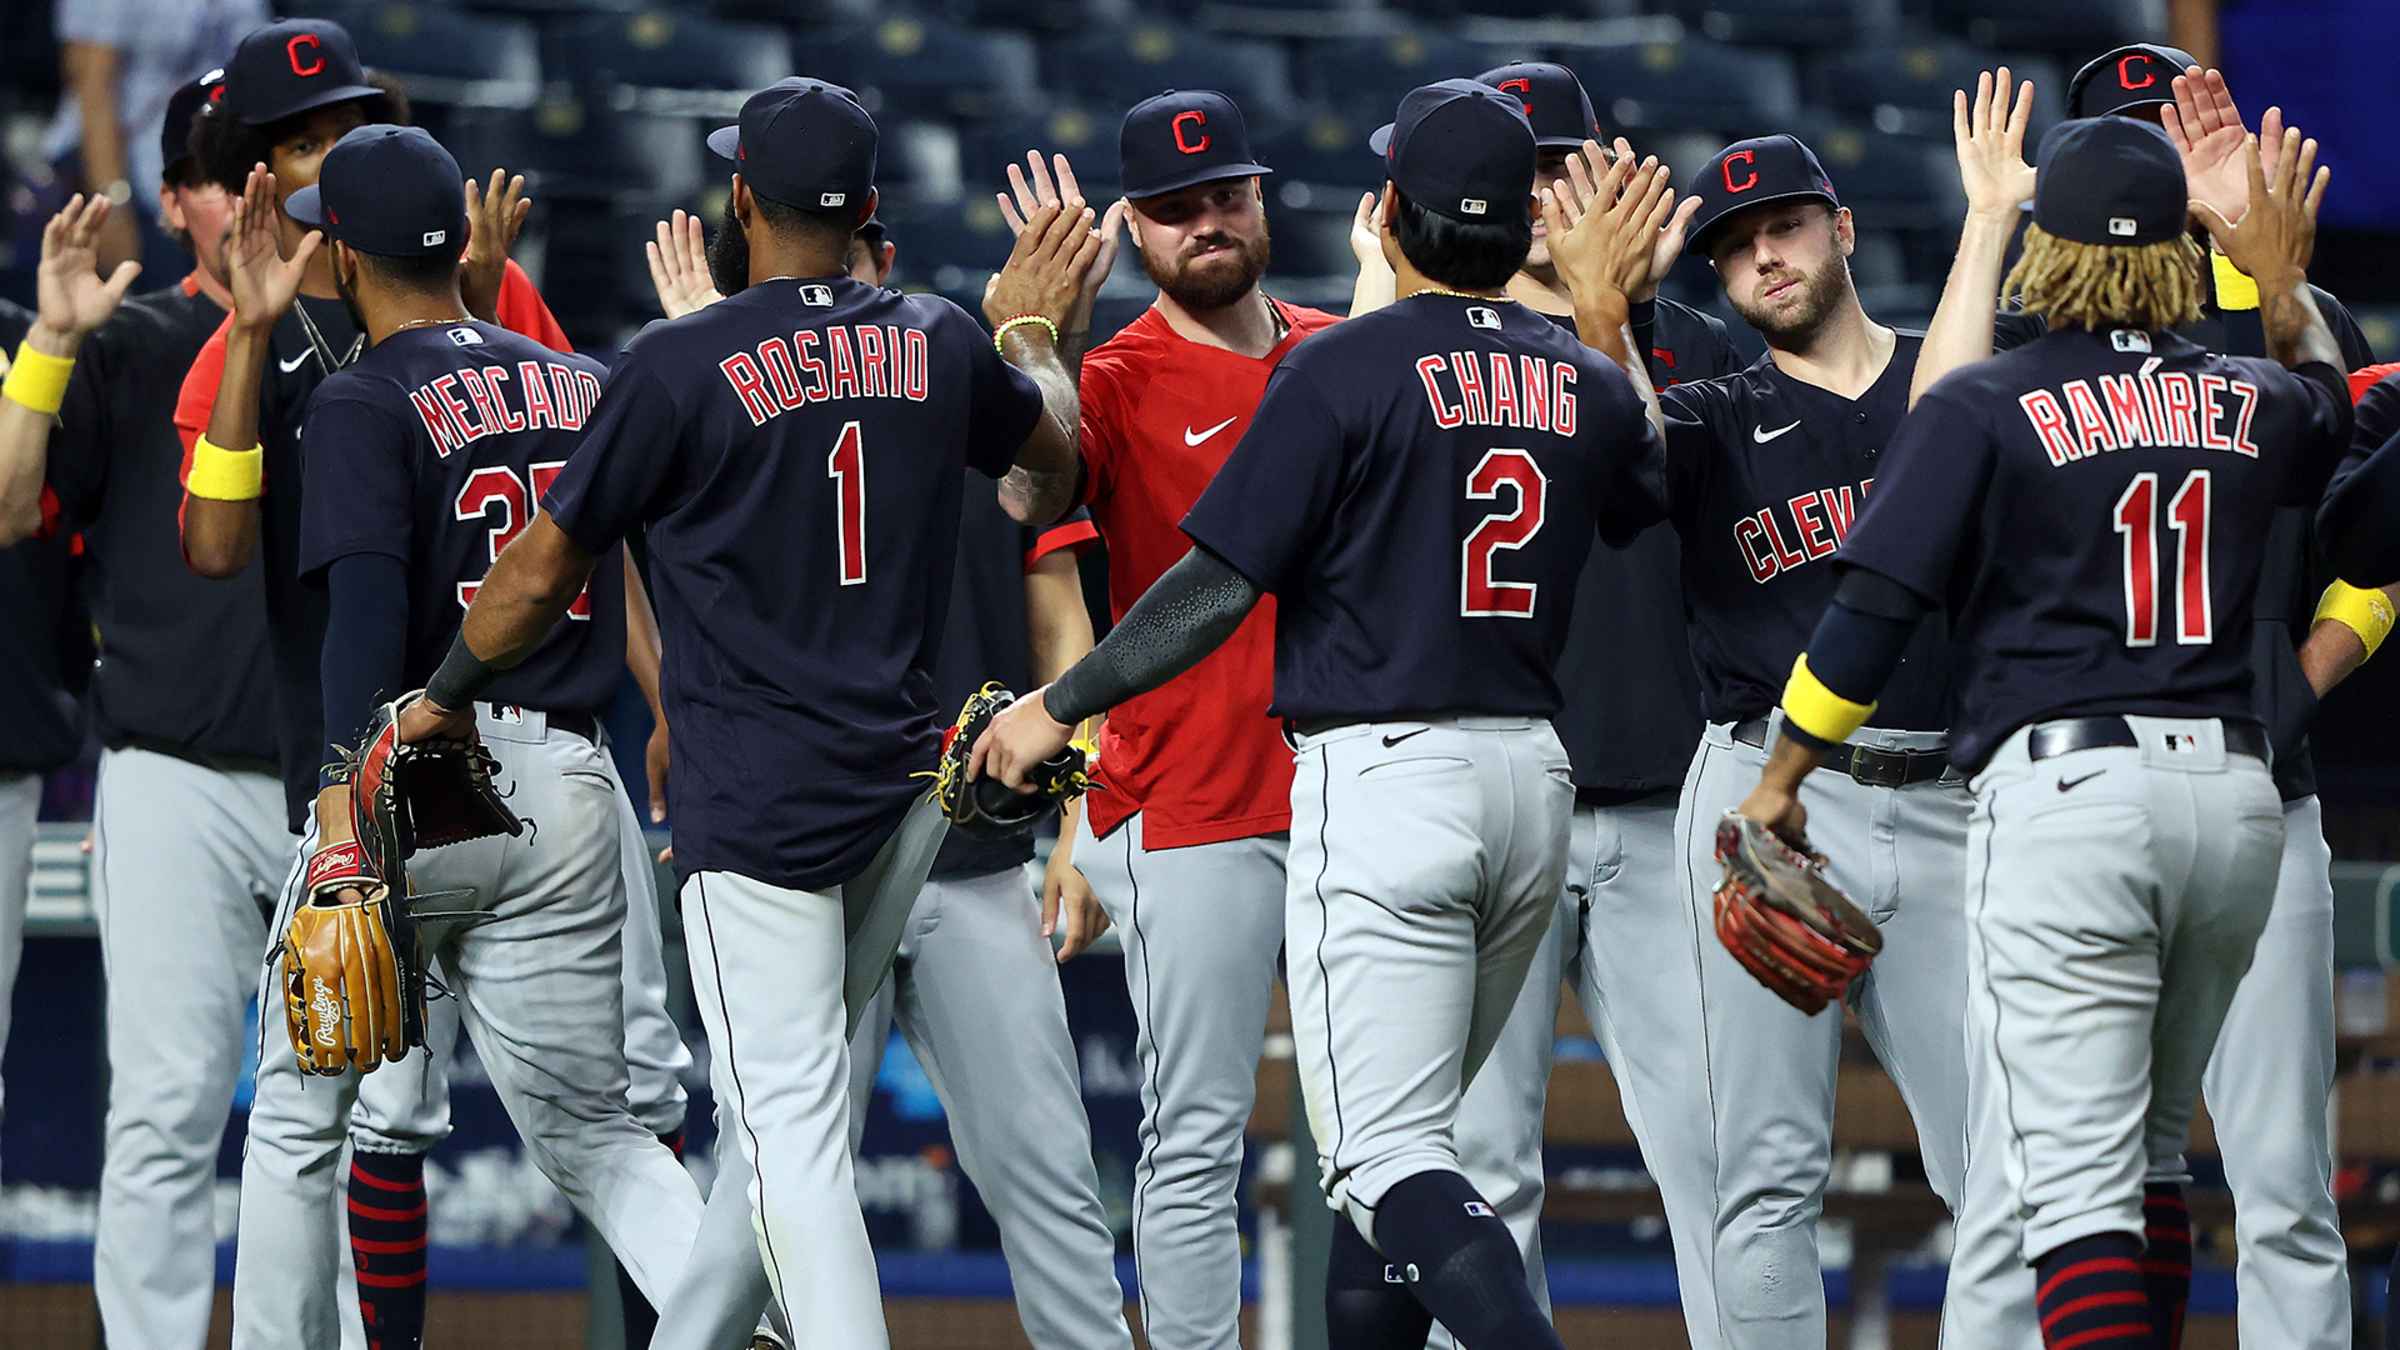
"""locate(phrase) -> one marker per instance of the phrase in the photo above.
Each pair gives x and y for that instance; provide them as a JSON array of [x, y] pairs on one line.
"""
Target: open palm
[[1990, 137], [263, 281], [73, 298]]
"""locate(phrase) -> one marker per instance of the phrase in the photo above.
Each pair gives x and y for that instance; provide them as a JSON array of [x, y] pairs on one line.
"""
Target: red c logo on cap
[[1744, 157], [1196, 118], [1520, 86], [2125, 71], [316, 63]]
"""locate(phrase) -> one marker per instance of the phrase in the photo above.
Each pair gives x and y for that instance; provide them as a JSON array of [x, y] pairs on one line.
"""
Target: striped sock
[[387, 1244], [641, 1320], [2167, 1265], [2091, 1295]]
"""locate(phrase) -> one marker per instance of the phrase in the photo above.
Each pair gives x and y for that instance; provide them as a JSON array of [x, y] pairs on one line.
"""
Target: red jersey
[[1198, 756], [2367, 377]]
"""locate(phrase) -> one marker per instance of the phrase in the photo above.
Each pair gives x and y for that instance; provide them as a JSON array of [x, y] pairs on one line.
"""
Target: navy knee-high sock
[[2167, 1264], [2090, 1295], [1369, 1304], [641, 1320], [387, 1245], [1467, 1271]]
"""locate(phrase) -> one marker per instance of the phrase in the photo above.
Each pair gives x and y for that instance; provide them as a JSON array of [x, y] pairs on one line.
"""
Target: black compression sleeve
[[366, 639], [1185, 615], [1858, 643]]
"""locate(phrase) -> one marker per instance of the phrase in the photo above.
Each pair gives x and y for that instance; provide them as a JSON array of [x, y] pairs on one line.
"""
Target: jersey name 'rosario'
[[2093, 508], [1419, 491], [434, 449]]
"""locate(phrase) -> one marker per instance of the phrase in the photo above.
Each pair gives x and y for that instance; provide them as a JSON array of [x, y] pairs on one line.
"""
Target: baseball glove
[[353, 982], [1784, 921], [988, 806], [424, 794]]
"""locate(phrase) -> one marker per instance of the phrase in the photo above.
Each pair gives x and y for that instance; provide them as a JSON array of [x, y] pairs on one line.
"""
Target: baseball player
[[1394, 491], [797, 608], [291, 90], [189, 846], [1767, 470], [2366, 494], [971, 985], [1183, 836], [2093, 510], [393, 528]]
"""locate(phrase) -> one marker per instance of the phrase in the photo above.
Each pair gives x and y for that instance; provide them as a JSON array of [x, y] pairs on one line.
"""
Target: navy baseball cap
[[1183, 138], [2141, 75], [290, 67], [804, 143], [2110, 180], [1461, 149], [1747, 173], [184, 107], [391, 191], [1553, 100]]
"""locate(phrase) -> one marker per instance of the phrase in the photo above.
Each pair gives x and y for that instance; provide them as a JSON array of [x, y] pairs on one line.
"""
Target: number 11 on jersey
[[2187, 514]]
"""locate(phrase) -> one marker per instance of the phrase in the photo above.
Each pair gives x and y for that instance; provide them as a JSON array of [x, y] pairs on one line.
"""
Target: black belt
[[1864, 763], [578, 723], [2065, 737]]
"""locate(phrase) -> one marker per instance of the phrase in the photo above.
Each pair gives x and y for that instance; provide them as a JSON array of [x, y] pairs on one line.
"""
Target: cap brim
[[1558, 142], [1215, 173], [726, 141], [342, 93], [1380, 139], [306, 206], [1702, 231]]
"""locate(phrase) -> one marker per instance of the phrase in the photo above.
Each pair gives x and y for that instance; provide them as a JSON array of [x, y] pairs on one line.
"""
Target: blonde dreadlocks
[[2096, 286]]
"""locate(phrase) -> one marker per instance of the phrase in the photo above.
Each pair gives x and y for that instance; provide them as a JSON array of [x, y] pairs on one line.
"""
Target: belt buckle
[[1878, 768]]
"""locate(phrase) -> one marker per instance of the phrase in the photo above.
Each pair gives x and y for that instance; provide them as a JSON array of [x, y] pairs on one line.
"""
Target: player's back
[[1425, 490], [2127, 482], [435, 448]]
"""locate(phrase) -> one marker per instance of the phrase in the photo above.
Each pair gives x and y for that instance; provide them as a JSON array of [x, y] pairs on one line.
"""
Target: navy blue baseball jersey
[[432, 449], [795, 453], [1766, 475], [1419, 491], [2093, 511]]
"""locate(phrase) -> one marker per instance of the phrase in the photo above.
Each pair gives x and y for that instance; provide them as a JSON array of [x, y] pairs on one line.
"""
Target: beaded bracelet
[[1043, 319]]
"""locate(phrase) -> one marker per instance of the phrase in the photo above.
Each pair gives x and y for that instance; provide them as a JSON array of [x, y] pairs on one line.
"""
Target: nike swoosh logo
[[1390, 741], [2070, 784], [1191, 437], [287, 367], [1762, 435]]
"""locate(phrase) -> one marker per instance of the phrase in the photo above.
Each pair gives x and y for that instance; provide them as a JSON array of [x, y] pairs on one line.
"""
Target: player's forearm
[[1058, 625], [1376, 288], [523, 596], [233, 417], [1961, 331], [642, 645], [2296, 331], [1041, 486], [25, 435], [1604, 323], [219, 537], [91, 72], [2351, 623], [1186, 614]]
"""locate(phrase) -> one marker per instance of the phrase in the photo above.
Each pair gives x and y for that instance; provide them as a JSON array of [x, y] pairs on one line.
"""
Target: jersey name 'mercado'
[[1499, 389], [468, 404], [838, 361], [2174, 408]]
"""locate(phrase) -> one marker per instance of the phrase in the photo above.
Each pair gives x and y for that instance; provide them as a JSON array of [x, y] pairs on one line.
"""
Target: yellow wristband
[[1019, 322], [2235, 289], [222, 475], [38, 380], [2364, 612], [1817, 710]]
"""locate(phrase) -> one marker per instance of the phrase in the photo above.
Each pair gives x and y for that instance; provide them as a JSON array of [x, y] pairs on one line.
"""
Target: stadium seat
[[1785, 23], [1689, 85], [574, 145], [2074, 30], [1371, 74], [655, 55], [1122, 66], [1085, 134], [1891, 182], [1325, 150], [948, 246], [1907, 86], [447, 56], [927, 66], [1312, 243], [1527, 10]]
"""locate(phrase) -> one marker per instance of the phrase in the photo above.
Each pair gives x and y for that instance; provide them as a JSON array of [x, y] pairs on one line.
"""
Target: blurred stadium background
[[604, 104]]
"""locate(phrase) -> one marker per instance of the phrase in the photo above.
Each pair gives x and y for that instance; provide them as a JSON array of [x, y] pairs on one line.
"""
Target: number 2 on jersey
[[498, 485], [2187, 515], [1479, 595]]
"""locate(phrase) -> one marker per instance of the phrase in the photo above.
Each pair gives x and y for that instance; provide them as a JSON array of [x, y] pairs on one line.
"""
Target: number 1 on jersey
[[2187, 515], [847, 467], [1481, 597]]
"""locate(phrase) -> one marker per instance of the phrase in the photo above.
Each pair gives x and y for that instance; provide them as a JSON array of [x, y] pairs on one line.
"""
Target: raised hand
[[679, 266], [1990, 137], [1052, 182], [2277, 232], [74, 300], [1605, 234], [262, 280], [494, 216], [1047, 271], [2207, 130]]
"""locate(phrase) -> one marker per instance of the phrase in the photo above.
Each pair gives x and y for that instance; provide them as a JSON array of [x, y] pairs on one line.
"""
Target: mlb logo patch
[[508, 714], [1479, 317], [2128, 340], [2180, 742], [832, 198], [820, 296], [1476, 1209], [1474, 206], [2124, 227], [433, 237], [465, 337]]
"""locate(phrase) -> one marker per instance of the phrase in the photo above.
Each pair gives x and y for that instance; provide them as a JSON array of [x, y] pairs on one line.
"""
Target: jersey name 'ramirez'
[[838, 361], [2175, 408], [1499, 389]]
